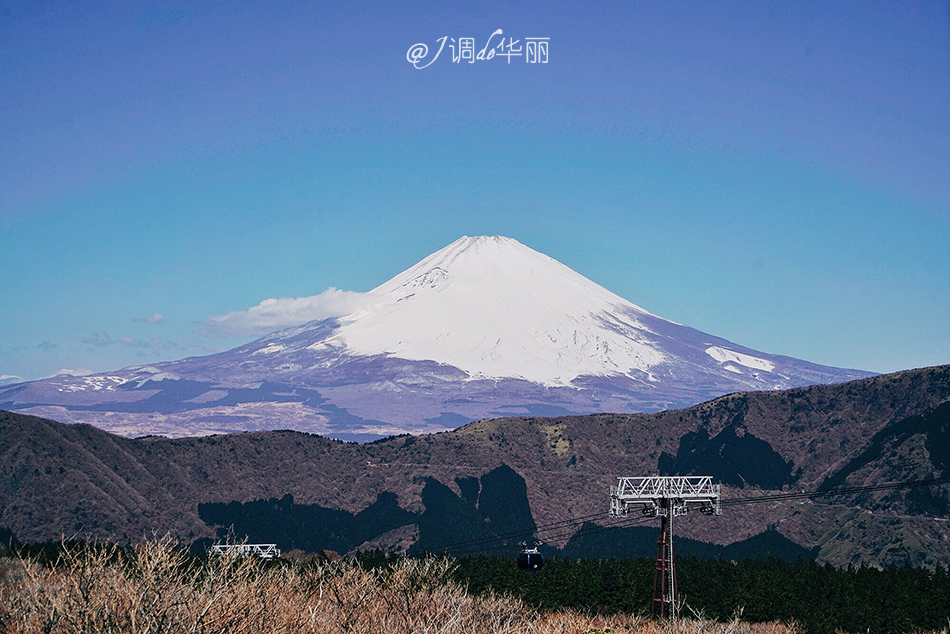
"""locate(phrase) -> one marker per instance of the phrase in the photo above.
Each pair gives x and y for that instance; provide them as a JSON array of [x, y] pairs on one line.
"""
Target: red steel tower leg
[[664, 576]]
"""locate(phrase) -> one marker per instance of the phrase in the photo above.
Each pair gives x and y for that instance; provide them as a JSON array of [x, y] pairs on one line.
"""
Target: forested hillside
[[495, 476]]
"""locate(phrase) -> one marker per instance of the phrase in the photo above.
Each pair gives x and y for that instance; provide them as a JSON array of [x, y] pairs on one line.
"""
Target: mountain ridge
[[74, 479]]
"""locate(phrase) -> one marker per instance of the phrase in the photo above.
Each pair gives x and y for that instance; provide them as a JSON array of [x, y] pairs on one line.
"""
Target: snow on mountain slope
[[483, 327], [497, 309]]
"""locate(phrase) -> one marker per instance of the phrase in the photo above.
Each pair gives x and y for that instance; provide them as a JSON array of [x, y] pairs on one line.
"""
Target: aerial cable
[[622, 523], [796, 495], [525, 531], [484, 543]]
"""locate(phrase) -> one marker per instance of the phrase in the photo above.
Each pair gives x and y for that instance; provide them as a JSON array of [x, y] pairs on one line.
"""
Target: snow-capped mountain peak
[[483, 327], [495, 308]]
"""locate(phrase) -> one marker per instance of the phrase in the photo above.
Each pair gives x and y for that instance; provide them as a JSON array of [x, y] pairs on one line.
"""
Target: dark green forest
[[821, 598]]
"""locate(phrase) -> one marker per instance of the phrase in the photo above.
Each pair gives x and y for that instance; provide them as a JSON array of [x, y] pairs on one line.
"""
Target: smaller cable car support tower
[[666, 497]]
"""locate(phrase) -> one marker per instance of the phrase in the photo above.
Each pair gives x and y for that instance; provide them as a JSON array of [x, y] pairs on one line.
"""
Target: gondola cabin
[[530, 559]]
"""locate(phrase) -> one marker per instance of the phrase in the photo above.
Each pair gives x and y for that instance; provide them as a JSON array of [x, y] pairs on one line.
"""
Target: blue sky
[[775, 173]]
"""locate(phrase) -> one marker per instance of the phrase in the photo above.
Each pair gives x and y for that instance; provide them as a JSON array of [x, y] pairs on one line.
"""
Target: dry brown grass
[[155, 589]]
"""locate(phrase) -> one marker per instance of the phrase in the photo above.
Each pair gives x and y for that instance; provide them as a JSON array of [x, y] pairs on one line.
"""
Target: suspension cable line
[[483, 544]]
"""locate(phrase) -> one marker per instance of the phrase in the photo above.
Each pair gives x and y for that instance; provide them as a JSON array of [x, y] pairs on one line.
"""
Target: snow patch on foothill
[[722, 355], [271, 349]]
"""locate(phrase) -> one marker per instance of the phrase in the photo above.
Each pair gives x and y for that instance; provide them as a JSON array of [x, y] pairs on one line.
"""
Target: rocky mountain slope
[[485, 327], [524, 472]]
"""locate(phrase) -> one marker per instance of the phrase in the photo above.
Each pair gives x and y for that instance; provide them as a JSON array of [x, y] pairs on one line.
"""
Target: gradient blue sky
[[776, 173]]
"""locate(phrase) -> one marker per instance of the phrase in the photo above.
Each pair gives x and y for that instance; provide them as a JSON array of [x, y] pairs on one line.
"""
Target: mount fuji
[[484, 327]]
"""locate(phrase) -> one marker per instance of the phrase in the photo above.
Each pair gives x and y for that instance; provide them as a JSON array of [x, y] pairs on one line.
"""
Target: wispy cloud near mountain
[[274, 314], [101, 339], [155, 318]]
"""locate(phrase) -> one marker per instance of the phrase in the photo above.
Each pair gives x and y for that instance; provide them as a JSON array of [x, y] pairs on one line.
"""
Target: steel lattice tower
[[666, 497]]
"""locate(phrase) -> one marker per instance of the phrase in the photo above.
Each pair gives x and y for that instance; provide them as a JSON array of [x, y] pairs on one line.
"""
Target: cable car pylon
[[666, 497]]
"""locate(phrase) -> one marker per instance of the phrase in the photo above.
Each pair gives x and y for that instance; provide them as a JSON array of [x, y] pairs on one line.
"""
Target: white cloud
[[102, 339], [156, 318], [275, 314], [71, 372], [8, 377]]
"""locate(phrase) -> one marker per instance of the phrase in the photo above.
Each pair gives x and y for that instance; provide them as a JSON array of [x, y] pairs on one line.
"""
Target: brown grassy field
[[155, 588]]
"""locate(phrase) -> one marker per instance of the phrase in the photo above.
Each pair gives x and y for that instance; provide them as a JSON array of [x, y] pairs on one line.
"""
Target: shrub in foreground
[[156, 588]]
